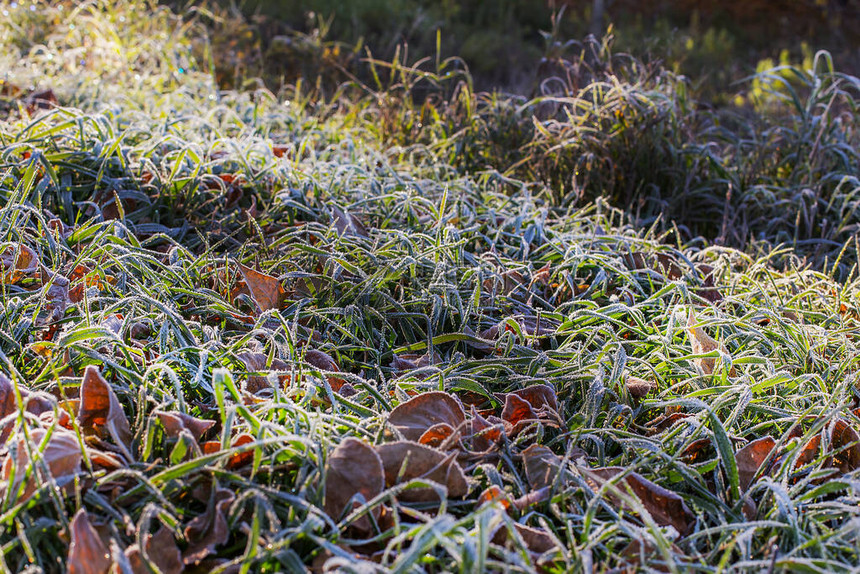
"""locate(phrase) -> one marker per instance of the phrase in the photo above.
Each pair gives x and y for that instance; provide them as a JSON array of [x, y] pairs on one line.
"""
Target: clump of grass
[[144, 195], [612, 127]]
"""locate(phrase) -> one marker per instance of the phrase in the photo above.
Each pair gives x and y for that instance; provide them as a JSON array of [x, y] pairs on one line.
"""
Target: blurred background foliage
[[511, 44]]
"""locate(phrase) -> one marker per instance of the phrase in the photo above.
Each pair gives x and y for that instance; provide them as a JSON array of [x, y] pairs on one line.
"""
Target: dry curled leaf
[[542, 465], [845, 440], [209, 529], [702, 343], [347, 224], [412, 361], [62, 455], [406, 460], [414, 417], [34, 403], [87, 552], [354, 475], [751, 457], [639, 388], [265, 290], [484, 434], [324, 362], [176, 422], [256, 363], [525, 406], [664, 506], [536, 540], [16, 262], [100, 411], [161, 550]]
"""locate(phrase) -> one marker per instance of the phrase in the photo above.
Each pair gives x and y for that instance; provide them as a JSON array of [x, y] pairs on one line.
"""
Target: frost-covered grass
[[128, 208]]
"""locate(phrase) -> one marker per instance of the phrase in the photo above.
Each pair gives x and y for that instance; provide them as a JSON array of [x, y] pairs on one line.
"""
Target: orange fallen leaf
[[540, 397], [16, 262], [518, 413], [691, 453], [436, 435], [495, 494], [265, 290], [100, 411], [87, 552], [751, 457], [426, 410], [528, 405]]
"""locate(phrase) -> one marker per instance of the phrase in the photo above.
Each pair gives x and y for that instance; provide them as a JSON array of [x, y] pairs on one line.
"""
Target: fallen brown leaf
[[176, 422], [642, 555], [403, 461], [664, 506], [542, 465], [412, 361], [639, 388], [62, 455], [484, 434], [426, 410], [100, 411], [347, 224], [844, 438], [703, 343], [256, 363], [209, 529], [751, 457], [161, 550], [16, 262], [87, 552], [265, 290], [537, 540], [354, 475], [324, 362]]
